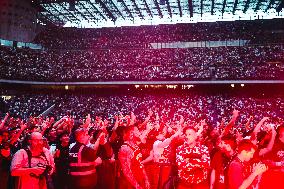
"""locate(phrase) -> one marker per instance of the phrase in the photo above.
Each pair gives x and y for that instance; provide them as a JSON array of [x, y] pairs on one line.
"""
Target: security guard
[[83, 162]]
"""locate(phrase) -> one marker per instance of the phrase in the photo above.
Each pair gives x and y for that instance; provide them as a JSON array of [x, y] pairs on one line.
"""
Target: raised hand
[[23, 125], [259, 168], [236, 113], [150, 113]]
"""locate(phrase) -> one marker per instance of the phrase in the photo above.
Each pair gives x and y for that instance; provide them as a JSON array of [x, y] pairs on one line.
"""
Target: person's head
[[1, 136], [170, 130], [131, 133], [96, 134], [4, 143], [190, 135], [82, 136], [52, 134], [228, 144], [157, 126], [123, 123], [160, 136], [214, 133], [36, 141], [246, 150], [33, 128], [281, 133], [4, 135], [64, 138]]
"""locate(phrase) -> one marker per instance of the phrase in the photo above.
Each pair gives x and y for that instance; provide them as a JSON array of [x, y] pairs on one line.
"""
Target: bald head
[[36, 141], [36, 135]]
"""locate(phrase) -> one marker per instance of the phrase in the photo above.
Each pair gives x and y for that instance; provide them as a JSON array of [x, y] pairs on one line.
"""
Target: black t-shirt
[[277, 153], [104, 151], [5, 162], [62, 162]]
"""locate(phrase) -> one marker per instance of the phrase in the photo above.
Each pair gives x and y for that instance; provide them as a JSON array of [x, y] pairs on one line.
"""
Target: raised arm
[[116, 124], [168, 141], [87, 121], [132, 118], [17, 136], [258, 126], [145, 133], [4, 120], [201, 125], [150, 113], [212, 178], [99, 140], [271, 142], [231, 123], [248, 123]]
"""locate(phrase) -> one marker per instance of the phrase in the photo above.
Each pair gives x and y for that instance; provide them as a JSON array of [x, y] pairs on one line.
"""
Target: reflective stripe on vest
[[82, 164], [89, 166], [83, 173]]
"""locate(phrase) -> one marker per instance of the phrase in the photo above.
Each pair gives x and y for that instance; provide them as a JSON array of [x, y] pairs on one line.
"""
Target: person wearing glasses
[[33, 164]]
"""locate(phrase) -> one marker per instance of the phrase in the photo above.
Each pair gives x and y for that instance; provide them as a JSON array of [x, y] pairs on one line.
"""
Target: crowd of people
[[142, 141], [191, 106], [216, 63], [256, 31]]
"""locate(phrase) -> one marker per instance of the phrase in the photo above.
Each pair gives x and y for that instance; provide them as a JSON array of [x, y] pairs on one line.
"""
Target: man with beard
[[221, 161], [33, 164], [133, 175]]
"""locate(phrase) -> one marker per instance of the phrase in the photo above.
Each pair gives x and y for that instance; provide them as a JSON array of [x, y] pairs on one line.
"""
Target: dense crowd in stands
[[222, 63], [192, 107], [193, 123], [257, 31]]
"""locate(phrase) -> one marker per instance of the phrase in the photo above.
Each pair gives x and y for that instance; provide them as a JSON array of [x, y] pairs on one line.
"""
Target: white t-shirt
[[20, 160], [158, 151]]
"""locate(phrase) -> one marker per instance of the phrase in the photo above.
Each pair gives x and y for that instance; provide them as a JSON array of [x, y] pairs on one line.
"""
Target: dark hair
[[26, 140], [280, 129], [79, 132], [246, 145], [231, 140], [2, 131], [96, 133], [127, 130], [62, 134]]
